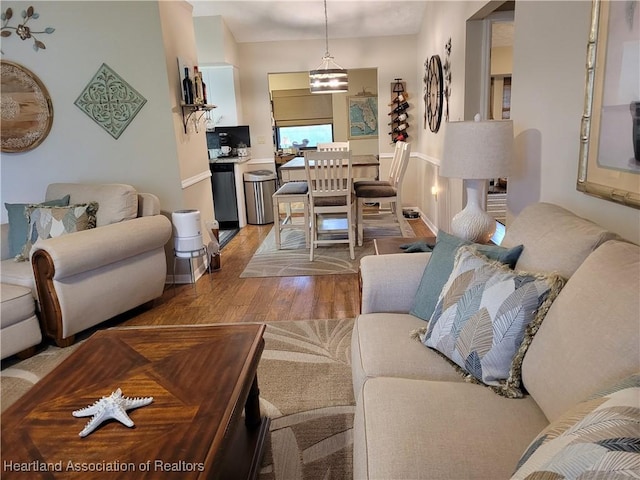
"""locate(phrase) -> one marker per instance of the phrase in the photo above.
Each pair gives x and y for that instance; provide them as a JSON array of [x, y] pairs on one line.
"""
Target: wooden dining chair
[[330, 199], [388, 191], [333, 146]]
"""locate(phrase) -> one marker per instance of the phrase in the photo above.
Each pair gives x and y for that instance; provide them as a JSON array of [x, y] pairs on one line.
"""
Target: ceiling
[[265, 20]]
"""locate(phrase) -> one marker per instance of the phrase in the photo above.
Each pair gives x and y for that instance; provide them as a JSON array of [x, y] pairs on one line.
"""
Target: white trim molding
[[188, 182]]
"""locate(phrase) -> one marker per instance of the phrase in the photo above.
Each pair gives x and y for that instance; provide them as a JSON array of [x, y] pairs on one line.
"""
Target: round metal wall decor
[[26, 112], [434, 97]]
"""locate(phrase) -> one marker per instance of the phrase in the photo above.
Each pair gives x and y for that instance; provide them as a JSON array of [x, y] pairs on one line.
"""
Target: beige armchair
[[84, 278]]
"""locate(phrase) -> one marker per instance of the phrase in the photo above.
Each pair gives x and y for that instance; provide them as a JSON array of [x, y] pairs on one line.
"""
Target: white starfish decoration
[[114, 406]]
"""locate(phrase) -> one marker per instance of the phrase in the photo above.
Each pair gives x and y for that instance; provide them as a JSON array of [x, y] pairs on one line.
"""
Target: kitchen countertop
[[229, 160]]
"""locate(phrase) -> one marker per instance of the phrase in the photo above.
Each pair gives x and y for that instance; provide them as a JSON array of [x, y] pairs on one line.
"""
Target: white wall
[[77, 149], [546, 106]]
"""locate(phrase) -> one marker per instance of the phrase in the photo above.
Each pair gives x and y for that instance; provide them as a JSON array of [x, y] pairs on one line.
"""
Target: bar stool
[[287, 194]]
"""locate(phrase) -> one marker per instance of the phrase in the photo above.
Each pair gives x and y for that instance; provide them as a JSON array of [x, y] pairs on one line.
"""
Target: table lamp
[[476, 151]]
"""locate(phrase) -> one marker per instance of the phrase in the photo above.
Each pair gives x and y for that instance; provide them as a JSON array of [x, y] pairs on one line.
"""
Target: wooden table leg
[[252, 417]]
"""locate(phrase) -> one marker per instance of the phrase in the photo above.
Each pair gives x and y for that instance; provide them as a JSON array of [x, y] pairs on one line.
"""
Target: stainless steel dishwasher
[[225, 201]]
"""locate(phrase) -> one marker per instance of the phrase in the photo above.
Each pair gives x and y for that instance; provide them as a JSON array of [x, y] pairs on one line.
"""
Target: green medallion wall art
[[110, 101]]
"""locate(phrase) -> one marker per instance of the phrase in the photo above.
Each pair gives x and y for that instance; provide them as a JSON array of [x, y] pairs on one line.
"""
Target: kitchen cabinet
[[223, 90]]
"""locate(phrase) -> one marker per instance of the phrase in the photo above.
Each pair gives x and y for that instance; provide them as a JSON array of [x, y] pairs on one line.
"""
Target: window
[[303, 137]]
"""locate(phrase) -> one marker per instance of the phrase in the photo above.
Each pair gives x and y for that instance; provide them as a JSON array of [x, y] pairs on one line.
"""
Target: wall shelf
[[189, 109]]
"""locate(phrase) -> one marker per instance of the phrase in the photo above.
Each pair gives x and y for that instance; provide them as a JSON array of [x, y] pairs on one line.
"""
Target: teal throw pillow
[[19, 224], [440, 266]]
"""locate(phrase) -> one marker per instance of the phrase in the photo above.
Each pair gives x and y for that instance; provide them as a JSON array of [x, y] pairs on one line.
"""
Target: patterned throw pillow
[[19, 223], [598, 438], [50, 222], [486, 317]]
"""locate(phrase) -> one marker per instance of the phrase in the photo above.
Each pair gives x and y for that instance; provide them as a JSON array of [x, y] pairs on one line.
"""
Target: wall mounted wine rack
[[399, 111]]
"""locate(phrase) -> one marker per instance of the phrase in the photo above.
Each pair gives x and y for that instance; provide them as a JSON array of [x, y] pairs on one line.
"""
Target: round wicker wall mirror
[[26, 112]]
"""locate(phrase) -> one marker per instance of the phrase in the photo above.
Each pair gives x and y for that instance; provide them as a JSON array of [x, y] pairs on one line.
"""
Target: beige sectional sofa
[[417, 417], [83, 278]]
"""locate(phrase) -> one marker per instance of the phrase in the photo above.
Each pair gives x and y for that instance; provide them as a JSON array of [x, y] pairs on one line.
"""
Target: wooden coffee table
[[201, 379]]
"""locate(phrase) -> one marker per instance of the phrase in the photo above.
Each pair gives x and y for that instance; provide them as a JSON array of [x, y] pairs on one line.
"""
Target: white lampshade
[[477, 149]]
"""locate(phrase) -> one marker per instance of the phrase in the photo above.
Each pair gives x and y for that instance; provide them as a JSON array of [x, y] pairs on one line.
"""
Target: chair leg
[[359, 221], [276, 223], [352, 233], [314, 235], [306, 224], [398, 210]]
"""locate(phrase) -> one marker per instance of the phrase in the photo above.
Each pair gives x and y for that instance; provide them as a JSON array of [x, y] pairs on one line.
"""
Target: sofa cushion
[[19, 224], [591, 330], [52, 222], [381, 345], [118, 202], [18, 273], [17, 304], [409, 429], [486, 317], [440, 265], [598, 438], [554, 239]]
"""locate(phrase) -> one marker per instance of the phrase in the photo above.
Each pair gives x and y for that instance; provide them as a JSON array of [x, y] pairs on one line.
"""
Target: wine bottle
[[401, 127], [187, 87], [400, 137], [197, 82], [399, 99], [400, 108], [399, 119]]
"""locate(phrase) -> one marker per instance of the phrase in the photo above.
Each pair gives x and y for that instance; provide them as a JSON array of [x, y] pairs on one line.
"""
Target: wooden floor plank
[[222, 296]]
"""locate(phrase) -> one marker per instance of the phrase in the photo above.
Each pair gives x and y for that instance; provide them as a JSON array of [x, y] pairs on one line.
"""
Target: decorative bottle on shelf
[[198, 98], [204, 90], [187, 87]]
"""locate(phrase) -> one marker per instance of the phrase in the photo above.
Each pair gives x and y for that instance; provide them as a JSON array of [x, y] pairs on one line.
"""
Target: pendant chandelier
[[329, 77]]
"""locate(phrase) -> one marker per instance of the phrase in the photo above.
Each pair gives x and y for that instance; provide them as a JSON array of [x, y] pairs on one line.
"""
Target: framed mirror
[[609, 164], [26, 112]]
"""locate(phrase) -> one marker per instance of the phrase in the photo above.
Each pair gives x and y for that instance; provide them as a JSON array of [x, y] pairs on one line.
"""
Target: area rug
[[293, 257], [305, 388]]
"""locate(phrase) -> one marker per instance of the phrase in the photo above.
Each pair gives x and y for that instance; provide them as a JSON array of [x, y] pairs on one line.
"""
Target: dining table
[[362, 167]]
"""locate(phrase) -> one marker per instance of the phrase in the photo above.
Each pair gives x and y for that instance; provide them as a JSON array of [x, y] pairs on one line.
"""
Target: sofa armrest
[[389, 282], [148, 204], [91, 249]]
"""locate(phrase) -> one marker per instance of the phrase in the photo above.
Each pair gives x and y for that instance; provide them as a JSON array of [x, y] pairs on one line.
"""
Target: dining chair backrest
[[399, 163], [333, 146], [400, 153], [328, 173]]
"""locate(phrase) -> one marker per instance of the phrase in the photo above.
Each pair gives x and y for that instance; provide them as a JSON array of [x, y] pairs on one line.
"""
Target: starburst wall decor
[[110, 101]]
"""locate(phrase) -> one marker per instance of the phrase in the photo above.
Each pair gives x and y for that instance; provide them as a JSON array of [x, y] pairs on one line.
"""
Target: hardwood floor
[[221, 296]]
